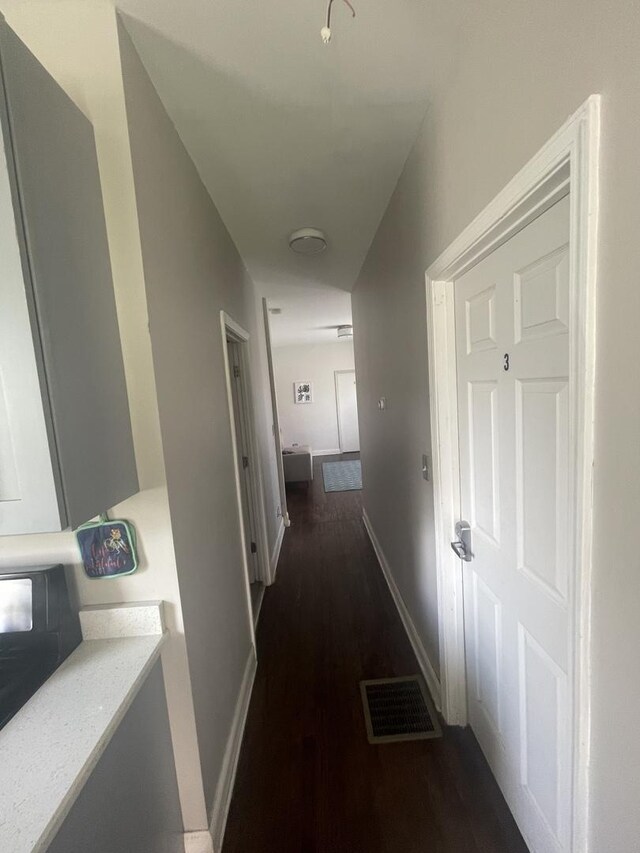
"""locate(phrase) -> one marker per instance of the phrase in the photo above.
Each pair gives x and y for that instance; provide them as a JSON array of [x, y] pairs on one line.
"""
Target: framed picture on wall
[[302, 392]]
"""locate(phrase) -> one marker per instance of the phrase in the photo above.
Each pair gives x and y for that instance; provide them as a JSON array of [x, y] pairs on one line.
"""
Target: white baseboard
[[224, 789], [198, 842], [334, 452], [429, 673], [275, 554]]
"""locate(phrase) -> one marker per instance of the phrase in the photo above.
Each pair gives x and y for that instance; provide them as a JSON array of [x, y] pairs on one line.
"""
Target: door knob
[[462, 544]]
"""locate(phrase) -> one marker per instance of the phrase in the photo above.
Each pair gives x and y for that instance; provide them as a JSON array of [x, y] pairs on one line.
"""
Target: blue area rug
[[342, 476]]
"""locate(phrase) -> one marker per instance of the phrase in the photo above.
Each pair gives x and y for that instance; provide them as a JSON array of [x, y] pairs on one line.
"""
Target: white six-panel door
[[514, 397]]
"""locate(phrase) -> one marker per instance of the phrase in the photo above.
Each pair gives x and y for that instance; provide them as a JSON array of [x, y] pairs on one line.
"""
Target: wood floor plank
[[308, 781]]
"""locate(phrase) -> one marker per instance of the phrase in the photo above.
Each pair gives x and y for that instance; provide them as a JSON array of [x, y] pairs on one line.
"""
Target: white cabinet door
[[66, 447], [28, 497], [347, 411], [514, 396], [67, 275]]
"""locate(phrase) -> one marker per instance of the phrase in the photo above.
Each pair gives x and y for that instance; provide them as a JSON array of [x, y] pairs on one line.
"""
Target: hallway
[[308, 781]]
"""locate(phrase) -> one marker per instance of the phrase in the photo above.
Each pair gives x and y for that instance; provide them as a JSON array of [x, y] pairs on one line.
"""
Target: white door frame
[[276, 417], [335, 379], [567, 163], [229, 328]]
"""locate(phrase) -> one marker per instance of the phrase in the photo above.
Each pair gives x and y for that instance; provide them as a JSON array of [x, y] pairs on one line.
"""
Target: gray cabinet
[[66, 449]]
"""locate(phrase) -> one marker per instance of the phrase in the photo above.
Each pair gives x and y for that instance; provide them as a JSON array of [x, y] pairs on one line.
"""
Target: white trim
[[339, 419], [255, 473], [446, 498], [234, 328], [255, 467], [198, 842], [224, 789], [429, 673], [226, 323], [331, 452], [567, 163], [275, 554], [277, 439]]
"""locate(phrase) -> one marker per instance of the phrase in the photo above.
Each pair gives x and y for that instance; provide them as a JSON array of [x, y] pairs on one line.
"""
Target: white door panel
[[514, 399], [243, 445], [347, 411]]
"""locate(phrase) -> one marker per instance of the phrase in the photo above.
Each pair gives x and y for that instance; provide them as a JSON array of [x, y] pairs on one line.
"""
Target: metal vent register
[[397, 709]]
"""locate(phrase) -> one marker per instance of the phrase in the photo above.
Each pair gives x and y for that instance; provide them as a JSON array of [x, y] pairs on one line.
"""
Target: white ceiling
[[287, 132], [310, 314]]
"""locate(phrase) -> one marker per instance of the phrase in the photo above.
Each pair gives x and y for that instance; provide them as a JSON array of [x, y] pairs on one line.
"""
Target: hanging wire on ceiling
[[335, 128], [325, 32]]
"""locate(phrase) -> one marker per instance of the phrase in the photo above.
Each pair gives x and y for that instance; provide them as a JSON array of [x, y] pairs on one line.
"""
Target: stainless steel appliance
[[39, 628]]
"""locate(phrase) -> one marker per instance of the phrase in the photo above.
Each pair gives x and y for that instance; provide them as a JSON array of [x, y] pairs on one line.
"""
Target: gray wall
[[315, 424], [390, 348], [130, 801], [521, 70], [192, 271]]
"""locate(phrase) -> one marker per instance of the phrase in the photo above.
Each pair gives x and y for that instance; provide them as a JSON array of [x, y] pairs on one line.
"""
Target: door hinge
[[245, 461], [254, 548], [236, 370]]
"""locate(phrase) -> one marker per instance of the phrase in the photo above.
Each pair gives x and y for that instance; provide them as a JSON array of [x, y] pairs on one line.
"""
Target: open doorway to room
[[250, 507], [315, 383]]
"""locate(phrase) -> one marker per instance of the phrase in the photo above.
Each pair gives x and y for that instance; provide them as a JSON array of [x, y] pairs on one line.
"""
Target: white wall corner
[[198, 842], [224, 789], [275, 554], [426, 667]]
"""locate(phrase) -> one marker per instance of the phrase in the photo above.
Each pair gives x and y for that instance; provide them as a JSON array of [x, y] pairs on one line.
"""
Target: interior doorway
[[511, 322], [246, 463], [512, 342], [347, 408]]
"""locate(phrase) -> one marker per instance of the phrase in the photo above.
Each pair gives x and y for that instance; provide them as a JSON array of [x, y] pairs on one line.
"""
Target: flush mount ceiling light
[[325, 32], [345, 331], [307, 241]]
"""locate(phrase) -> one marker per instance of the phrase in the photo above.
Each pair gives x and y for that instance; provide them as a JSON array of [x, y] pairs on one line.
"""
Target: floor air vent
[[398, 709]]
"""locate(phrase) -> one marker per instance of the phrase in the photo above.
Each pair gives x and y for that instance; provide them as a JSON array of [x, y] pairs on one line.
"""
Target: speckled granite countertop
[[48, 750]]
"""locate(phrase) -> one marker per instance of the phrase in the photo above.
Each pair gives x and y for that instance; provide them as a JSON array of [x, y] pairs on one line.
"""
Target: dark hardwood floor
[[308, 780]]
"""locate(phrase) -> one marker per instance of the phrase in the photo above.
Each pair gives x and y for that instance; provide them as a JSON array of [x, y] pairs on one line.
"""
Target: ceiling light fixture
[[325, 32], [307, 241], [345, 332]]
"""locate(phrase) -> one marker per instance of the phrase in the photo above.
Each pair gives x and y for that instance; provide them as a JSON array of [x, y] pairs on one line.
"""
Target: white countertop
[[48, 750]]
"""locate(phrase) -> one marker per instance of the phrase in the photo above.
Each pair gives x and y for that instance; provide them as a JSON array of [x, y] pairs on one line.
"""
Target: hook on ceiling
[[325, 32]]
